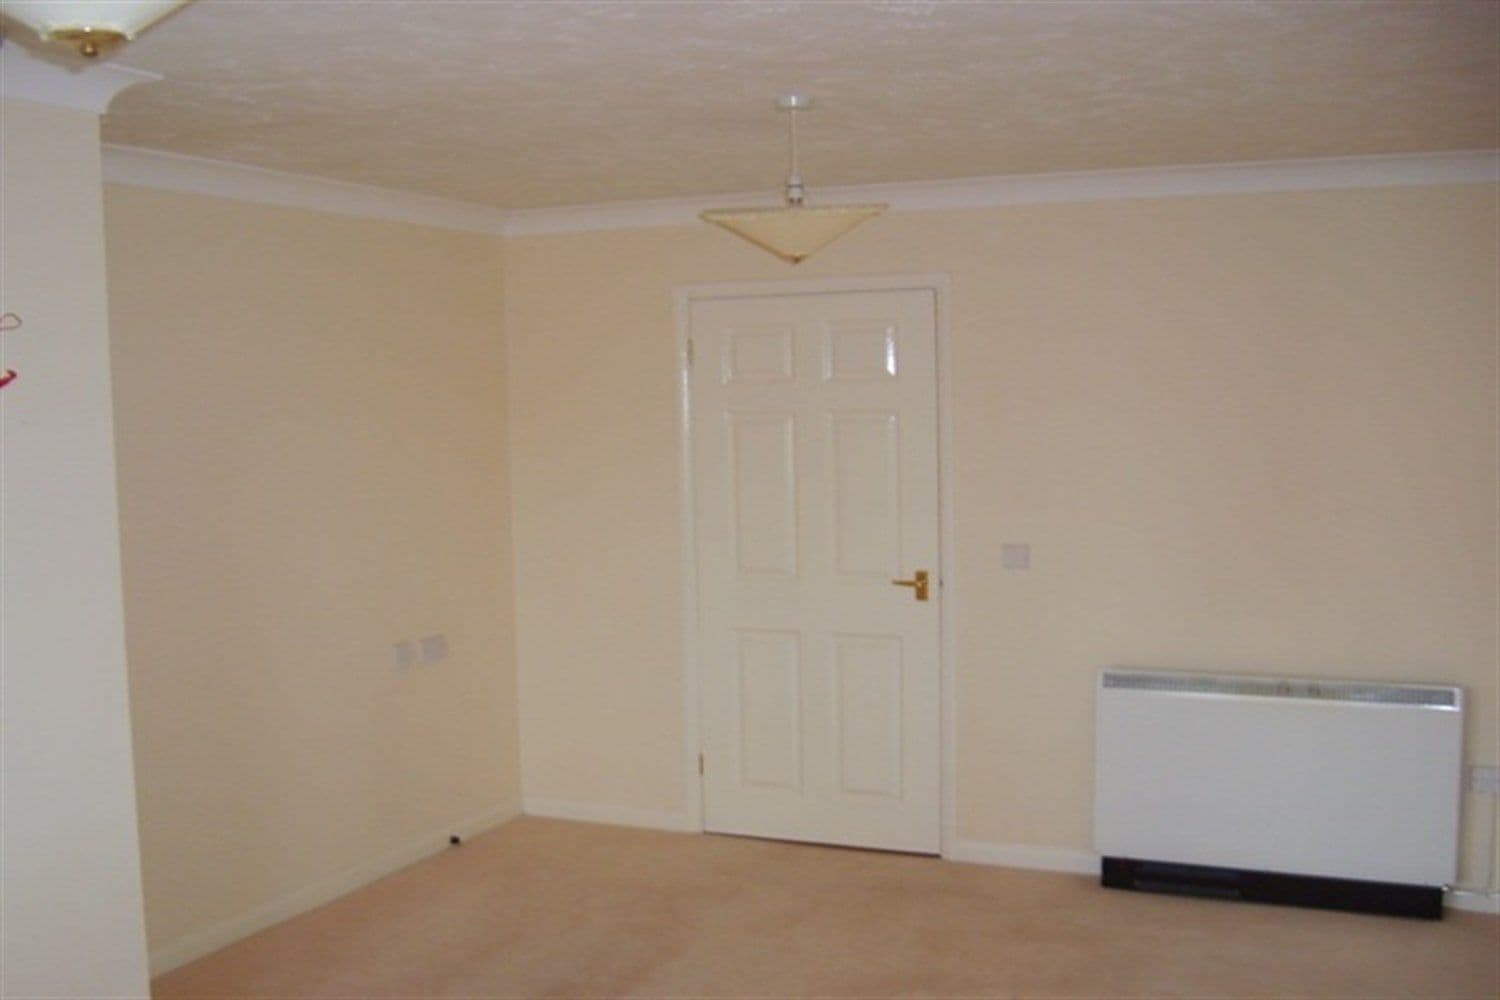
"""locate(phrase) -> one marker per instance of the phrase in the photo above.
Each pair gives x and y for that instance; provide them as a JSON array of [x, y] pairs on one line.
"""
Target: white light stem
[[795, 193]]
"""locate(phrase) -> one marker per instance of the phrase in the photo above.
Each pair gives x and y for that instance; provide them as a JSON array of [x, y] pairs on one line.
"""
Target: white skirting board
[[1032, 856], [1474, 902], [226, 932], [598, 812]]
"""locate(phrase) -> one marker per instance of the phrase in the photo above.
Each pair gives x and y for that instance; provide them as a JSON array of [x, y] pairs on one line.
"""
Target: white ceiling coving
[[529, 105]]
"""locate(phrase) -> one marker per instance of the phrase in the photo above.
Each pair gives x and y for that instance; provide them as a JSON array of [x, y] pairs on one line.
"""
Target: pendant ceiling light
[[794, 230], [91, 27]]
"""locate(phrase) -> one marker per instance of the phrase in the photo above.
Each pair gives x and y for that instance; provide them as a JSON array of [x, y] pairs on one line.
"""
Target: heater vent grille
[[1277, 687]]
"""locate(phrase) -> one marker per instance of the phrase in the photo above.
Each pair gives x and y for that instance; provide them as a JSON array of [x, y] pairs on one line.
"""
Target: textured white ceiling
[[522, 105]]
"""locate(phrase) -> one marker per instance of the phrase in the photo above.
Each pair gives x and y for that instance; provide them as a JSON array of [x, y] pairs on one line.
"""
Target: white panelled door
[[816, 488]]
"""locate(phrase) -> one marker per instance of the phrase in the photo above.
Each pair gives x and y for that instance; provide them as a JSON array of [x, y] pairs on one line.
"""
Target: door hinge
[[690, 353], [700, 763]]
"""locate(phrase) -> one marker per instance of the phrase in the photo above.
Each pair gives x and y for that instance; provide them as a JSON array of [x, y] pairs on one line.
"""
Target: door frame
[[684, 296]]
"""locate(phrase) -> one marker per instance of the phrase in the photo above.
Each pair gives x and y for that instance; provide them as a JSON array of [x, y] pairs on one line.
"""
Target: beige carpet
[[543, 908]]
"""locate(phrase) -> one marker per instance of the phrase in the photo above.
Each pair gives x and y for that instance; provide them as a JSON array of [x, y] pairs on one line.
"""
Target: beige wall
[[1251, 433], [311, 424], [1241, 433], [71, 869]]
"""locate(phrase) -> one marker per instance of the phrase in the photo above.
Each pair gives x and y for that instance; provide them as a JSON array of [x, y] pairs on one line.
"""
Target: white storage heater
[[1324, 793]]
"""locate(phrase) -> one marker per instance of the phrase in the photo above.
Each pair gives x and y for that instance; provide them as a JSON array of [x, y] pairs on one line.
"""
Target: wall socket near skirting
[[407, 653], [1483, 780], [434, 648], [404, 654]]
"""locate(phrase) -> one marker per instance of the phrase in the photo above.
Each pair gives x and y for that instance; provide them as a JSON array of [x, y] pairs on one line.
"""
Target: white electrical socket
[[1015, 555], [404, 654], [1484, 780], [434, 648]]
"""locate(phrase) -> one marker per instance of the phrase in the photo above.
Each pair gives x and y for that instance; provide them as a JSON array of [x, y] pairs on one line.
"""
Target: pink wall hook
[[8, 322]]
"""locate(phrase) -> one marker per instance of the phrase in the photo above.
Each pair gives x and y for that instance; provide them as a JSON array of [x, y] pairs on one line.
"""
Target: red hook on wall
[[8, 322]]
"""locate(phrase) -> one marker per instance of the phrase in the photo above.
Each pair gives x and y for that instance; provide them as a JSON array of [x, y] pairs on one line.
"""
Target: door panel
[[865, 482], [770, 708], [764, 493], [868, 670], [815, 482]]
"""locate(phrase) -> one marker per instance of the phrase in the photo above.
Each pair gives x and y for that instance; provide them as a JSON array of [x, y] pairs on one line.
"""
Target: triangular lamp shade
[[90, 25], [795, 231]]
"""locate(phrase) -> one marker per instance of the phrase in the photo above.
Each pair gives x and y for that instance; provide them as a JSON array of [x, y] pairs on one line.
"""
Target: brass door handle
[[918, 582]]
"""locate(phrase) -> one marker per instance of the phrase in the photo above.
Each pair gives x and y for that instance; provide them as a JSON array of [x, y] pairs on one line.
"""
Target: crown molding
[[1397, 170], [63, 82], [147, 168], [174, 172]]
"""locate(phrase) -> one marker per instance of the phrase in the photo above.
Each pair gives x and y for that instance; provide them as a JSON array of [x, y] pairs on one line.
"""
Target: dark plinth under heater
[[1391, 898]]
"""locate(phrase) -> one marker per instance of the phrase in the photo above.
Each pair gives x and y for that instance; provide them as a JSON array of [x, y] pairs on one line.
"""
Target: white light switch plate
[[1015, 555], [1484, 780]]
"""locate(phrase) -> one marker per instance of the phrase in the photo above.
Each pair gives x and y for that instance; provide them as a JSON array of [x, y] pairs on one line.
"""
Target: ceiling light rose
[[794, 230], [91, 28]]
